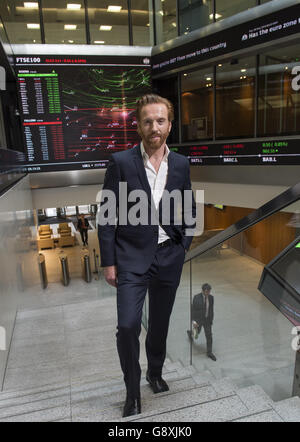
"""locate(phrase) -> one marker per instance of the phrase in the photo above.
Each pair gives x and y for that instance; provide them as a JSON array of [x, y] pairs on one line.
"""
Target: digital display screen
[[266, 152], [264, 29], [76, 111]]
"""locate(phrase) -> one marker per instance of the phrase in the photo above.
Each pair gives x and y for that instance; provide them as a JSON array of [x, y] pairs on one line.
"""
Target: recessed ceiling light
[[31, 5], [114, 8], [220, 65], [33, 26], [243, 70], [208, 78], [105, 28], [73, 6], [70, 27], [71, 41], [148, 24], [99, 42]]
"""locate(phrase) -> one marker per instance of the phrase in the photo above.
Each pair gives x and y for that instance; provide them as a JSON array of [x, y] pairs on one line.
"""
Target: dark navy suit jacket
[[132, 247], [198, 309]]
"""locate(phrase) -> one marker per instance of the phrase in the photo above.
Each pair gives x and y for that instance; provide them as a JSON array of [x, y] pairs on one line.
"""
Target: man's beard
[[155, 140]]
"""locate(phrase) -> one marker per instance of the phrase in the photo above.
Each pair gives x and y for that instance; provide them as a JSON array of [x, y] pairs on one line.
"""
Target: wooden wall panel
[[262, 241]]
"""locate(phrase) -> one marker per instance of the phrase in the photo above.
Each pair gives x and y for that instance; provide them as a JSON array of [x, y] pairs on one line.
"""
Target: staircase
[[98, 396], [190, 399]]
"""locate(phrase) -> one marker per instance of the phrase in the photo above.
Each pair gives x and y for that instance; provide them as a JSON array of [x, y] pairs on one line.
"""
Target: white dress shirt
[[206, 304], [157, 182]]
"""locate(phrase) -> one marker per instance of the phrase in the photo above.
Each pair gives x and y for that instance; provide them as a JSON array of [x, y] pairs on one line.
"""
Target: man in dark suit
[[83, 226], [203, 315], [141, 256]]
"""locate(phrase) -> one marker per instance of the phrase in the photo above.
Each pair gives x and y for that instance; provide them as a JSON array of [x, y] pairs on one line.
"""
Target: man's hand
[[110, 274]]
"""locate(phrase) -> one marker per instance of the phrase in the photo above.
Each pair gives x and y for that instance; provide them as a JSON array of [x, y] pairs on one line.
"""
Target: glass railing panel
[[251, 338], [178, 347]]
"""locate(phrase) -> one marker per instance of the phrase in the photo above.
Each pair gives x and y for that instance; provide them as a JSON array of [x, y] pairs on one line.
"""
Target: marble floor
[[56, 335]]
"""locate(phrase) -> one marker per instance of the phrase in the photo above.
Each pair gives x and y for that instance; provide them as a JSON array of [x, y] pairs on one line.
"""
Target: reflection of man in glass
[[203, 315]]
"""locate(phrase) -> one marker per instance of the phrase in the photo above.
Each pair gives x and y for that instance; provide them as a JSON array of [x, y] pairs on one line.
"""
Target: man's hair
[[153, 99], [206, 287]]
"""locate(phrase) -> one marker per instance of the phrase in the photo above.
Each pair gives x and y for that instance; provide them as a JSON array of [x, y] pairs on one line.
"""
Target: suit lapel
[[169, 183], [141, 170], [171, 167]]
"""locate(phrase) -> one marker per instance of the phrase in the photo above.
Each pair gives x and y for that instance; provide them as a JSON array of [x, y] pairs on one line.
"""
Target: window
[[194, 14], [108, 26], [197, 105], [62, 23], [278, 103], [22, 23], [235, 98], [166, 20], [227, 8], [142, 22]]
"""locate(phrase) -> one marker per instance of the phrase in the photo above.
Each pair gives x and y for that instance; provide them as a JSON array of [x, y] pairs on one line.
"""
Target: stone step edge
[[114, 381]]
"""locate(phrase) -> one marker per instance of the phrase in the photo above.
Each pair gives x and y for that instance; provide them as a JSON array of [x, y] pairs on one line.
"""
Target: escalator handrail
[[278, 203]]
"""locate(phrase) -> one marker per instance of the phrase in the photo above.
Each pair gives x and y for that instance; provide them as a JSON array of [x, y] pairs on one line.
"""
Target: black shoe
[[157, 384], [132, 407], [211, 356]]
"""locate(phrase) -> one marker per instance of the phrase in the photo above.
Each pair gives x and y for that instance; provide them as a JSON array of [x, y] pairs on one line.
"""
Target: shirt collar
[[145, 156]]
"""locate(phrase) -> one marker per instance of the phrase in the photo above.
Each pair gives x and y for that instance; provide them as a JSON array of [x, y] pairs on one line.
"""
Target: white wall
[[18, 256], [65, 196], [243, 186]]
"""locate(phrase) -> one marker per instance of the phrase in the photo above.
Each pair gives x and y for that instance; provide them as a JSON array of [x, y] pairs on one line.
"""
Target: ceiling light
[[185, 75], [174, 24], [105, 28], [33, 26], [161, 12], [31, 5], [114, 8], [208, 78], [243, 70], [99, 42], [73, 6], [220, 65], [70, 27], [71, 41]]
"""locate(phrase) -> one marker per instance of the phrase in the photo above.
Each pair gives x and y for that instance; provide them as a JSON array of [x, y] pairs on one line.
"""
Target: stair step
[[255, 398], [288, 409], [213, 410], [265, 416]]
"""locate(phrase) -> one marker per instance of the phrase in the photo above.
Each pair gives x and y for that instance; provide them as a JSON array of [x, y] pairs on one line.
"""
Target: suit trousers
[[161, 280], [84, 235], [208, 333]]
